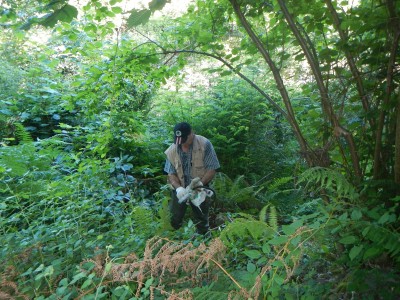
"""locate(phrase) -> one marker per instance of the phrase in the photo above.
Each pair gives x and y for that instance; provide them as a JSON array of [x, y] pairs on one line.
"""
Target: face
[[189, 140]]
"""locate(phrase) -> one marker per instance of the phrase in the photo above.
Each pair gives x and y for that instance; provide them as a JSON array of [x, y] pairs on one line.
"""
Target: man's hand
[[196, 182], [181, 194]]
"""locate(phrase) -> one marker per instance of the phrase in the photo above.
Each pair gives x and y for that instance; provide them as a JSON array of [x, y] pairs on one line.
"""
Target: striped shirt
[[210, 161]]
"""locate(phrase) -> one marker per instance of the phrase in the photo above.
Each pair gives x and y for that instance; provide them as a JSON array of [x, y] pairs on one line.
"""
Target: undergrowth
[[76, 227]]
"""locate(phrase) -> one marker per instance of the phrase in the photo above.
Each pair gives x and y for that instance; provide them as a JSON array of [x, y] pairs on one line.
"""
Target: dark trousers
[[200, 217]]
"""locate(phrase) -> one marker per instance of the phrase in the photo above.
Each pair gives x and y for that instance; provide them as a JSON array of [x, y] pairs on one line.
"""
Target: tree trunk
[[327, 108], [350, 59], [397, 146], [309, 155], [379, 164]]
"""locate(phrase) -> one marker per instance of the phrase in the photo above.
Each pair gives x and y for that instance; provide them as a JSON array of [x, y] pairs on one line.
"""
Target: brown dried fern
[[9, 291], [168, 263]]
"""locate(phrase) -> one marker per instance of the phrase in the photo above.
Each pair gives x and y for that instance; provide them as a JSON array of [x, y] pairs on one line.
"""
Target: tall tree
[[348, 53]]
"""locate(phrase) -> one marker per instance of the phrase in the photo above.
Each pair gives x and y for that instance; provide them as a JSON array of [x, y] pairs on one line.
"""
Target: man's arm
[[173, 179], [208, 176]]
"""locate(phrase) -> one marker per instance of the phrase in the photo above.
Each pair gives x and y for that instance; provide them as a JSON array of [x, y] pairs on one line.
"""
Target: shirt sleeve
[[169, 168], [210, 157]]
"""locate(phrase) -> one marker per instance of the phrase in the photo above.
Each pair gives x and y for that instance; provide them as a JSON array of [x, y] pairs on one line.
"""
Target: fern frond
[[17, 159], [279, 182], [164, 216], [171, 263], [387, 239], [263, 213], [269, 214], [329, 180], [241, 228], [234, 192], [143, 219], [208, 293], [273, 218], [22, 134]]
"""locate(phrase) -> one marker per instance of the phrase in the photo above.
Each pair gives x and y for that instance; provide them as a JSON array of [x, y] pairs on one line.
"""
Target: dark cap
[[181, 132]]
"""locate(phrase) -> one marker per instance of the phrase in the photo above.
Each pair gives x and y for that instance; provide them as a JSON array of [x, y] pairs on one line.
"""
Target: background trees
[[300, 100]]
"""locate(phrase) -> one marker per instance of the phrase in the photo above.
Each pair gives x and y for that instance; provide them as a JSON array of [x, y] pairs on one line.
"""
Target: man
[[190, 156]]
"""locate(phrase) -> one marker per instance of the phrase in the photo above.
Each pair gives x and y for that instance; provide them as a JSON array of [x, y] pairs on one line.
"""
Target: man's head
[[181, 133]]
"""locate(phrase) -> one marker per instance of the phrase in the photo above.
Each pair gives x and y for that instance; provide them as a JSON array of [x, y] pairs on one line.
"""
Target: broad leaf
[[64, 14], [138, 17], [157, 4], [355, 251], [347, 240], [253, 254]]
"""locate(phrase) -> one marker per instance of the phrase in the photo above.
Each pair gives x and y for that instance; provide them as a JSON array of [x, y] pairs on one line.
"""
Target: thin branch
[[226, 272], [395, 26], [338, 129], [350, 59], [229, 66], [279, 82]]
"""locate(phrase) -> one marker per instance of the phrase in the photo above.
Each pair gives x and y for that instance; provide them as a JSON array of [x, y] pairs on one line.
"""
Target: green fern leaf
[[164, 216], [273, 218], [231, 193], [329, 180], [241, 228], [22, 134], [269, 214], [207, 293]]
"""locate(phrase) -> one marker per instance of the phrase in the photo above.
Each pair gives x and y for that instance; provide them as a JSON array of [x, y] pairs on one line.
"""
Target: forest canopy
[[299, 98]]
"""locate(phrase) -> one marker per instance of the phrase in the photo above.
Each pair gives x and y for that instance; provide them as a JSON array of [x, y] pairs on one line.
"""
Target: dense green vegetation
[[300, 100]]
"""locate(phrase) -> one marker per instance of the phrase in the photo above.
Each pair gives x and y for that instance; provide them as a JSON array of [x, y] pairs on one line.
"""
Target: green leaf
[[290, 229], [251, 268], [279, 280], [277, 263], [78, 277], [157, 4], [279, 240], [355, 251], [127, 167], [226, 73], [205, 36], [266, 248], [296, 241], [108, 267], [28, 272], [347, 240], [343, 217], [138, 17], [366, 230], [356, 214], [396, 199], [253, 254], [325, 249], [64, 14], [61, 290], [116, 9], [48, 271], [86, 283], [371, 252], [40, 268], [63, 282], [384, 218]]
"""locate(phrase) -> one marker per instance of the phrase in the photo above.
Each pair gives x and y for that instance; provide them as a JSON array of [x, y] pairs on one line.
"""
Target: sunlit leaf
[[138, 17], [157, 4], [64, 14]]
